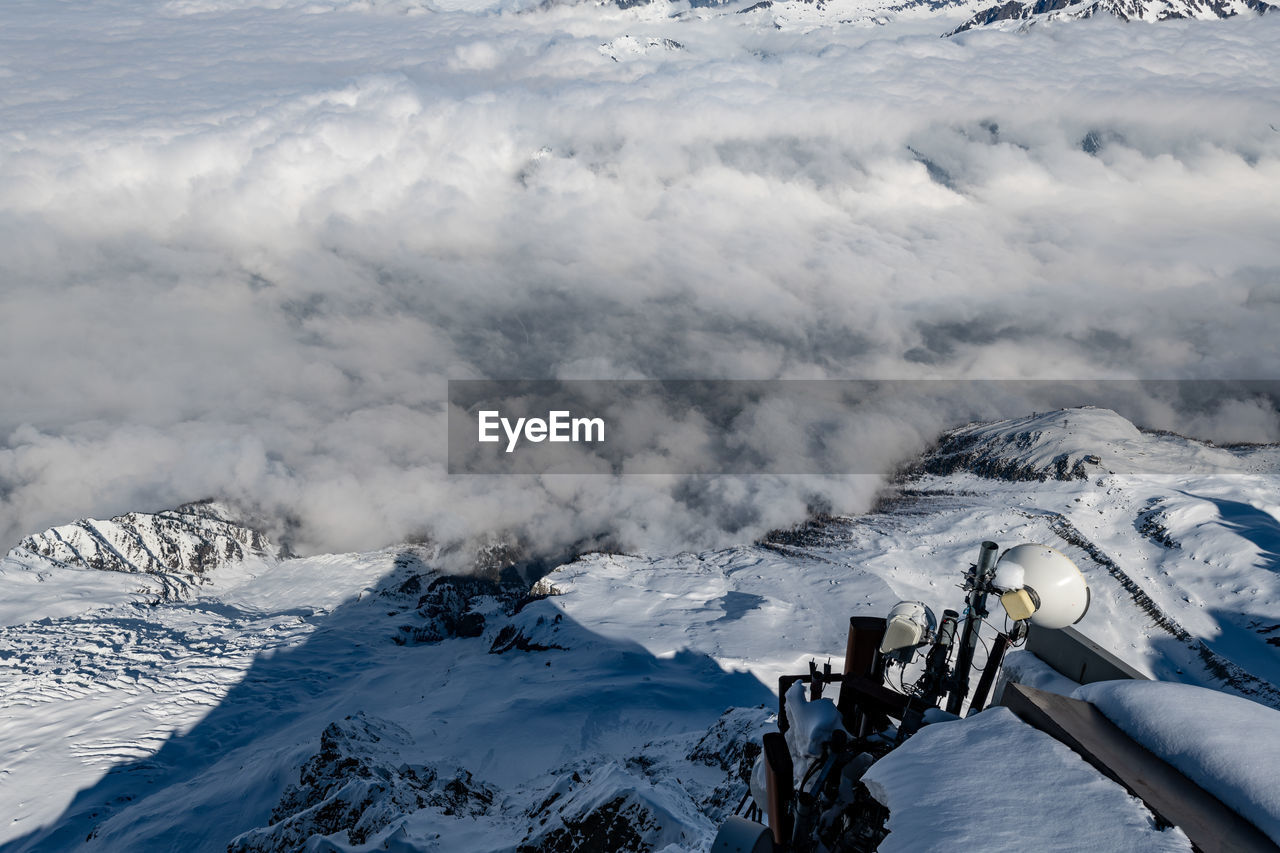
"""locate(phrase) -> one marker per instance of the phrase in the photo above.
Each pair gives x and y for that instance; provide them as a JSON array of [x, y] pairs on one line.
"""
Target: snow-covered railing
[[1209, 824]]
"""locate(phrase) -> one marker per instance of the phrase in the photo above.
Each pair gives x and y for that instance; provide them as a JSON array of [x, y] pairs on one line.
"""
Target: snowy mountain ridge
[[1080, 443], [808, 15], [1017, 14], [192, 539], [791, 14]]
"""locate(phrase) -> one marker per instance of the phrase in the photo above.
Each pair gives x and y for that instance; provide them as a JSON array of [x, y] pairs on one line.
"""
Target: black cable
[[817, 762], [1009, 633], [985, 647], [902, 671]]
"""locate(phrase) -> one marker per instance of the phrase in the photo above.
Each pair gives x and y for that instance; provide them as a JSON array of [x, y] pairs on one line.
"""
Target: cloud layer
[[244, 245]]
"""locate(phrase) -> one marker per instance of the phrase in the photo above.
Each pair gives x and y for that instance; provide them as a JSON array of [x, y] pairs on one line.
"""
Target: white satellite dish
[[1042, 585]]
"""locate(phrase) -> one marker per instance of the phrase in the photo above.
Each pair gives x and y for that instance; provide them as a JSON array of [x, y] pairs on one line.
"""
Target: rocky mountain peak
[[1024, 13], [190, 539]]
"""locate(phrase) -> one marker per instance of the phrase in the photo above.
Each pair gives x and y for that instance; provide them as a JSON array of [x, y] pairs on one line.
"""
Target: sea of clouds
[[244, 245]]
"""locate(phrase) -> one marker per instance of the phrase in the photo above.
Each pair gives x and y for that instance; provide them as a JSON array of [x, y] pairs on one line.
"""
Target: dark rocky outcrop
[[356, 784]]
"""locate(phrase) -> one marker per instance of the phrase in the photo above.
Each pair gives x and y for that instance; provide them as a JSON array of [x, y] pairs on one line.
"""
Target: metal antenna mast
[[979, 584]]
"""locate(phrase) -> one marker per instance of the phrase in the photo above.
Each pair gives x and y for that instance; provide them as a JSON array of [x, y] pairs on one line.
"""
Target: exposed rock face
[[447, 606], [364, 779], [613, 809], [514, 637], [445, 609], [1029, 449], [452, 605], [732, 745], [357, 784], [733, 742], [191, 539], [1153, 523]]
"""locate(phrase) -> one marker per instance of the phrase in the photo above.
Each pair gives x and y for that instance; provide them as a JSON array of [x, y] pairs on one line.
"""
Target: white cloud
[[242, 250]]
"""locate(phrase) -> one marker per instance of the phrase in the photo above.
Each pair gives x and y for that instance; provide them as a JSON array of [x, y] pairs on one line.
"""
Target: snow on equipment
[[806, 782], [909, 626], [1042, 583]]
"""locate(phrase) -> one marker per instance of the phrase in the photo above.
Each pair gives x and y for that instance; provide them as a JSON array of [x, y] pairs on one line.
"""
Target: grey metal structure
[[1077, 657], [739, 835]]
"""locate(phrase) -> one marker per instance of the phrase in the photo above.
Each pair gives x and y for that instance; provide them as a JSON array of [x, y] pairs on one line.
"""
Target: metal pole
[[989, 671], [980, 582], [935, 671]]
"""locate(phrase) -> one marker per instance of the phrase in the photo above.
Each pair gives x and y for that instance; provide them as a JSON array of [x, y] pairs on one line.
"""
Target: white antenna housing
[[1058, 593], [909, 624]]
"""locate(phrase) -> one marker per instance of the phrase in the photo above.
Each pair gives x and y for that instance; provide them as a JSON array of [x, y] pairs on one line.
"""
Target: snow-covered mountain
[[804, 15], [1017, 13], [192, 539], [374, 701], [807, 15]]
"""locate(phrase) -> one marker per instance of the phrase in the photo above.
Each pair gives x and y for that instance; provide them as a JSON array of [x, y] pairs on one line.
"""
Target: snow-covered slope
[[374, 702], [89, 564], [1081, 444], [1180, 531]]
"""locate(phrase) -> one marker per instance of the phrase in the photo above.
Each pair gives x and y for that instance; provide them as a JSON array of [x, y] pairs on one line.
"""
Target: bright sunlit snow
[[993, 783], [187, 710], [245, 243]]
